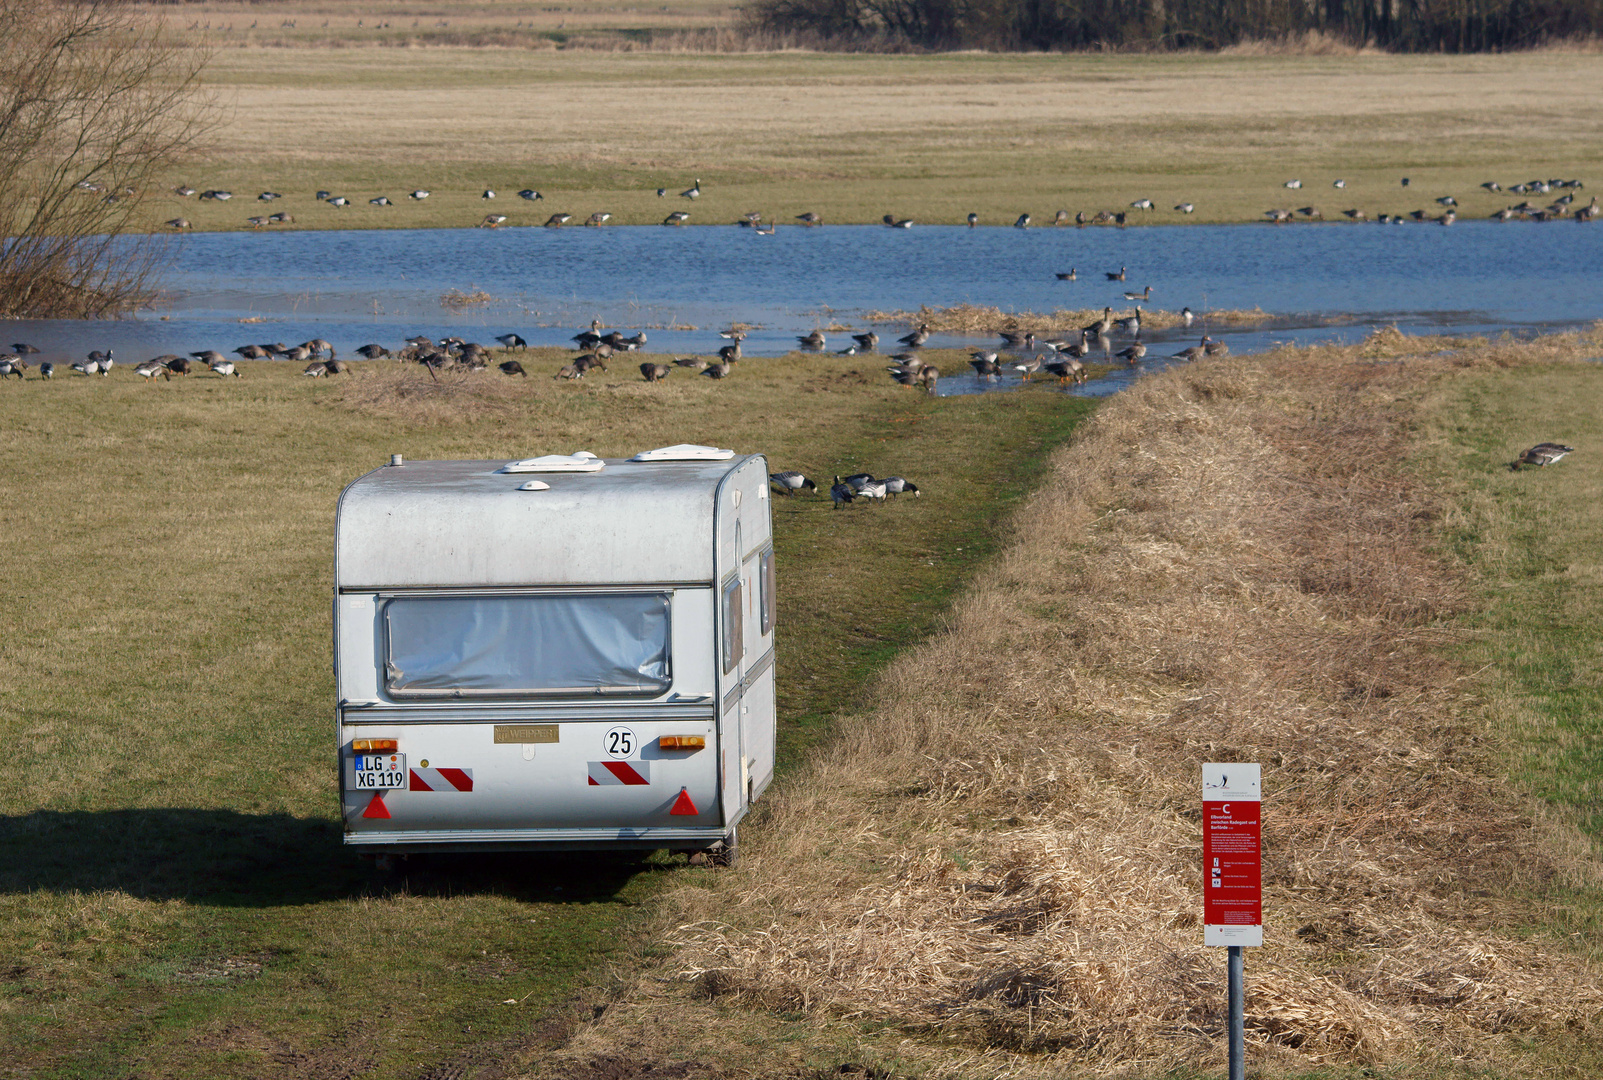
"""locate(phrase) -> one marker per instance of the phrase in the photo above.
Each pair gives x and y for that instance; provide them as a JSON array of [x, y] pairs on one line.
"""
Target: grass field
[[173, 896], [856, 137]]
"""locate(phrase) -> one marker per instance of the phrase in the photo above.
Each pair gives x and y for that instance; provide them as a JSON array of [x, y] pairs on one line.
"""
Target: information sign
[[1232, 855]]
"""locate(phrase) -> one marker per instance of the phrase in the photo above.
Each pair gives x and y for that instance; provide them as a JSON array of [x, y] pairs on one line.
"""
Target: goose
[[590, 360], [179, 223], [372, 352], [178, 365], [1111, 276], [298, 354], [339, 200], [1144, 295], [678, 217], [1023, 222], [600, 217], [1313, 213], [1066, 369], [809, 219], [867, 341], [22, 348], [382, 200], [1062, 217], [895, 485], [150, 369], [1354, 215], [281, 218], [871, 489], [841, 494], [183, 191], [1448, 218], [984, 363], [571, 371], [1133, 353], [1405, 181], [87, 367], [1141, 204], [662, 193], [224, 368], [1215, 348], [512, 341], [492, 221], [973, 220], [104, 359], [1546, 453], [556, 221], [1446, 200], [750, 218], [814, 340], [856, 480], [917, 337], [530, 195], [1417, 215], [1072, 275], [850, 350], [256, 222], [219, 196], [894, 222], [1118, 219], [910, 360], [316, 369], [12, 365], [1185, 207], [719, 370], [1103, 217], [337, 367], [1338, 184], [319, 346], [47, 370], [1278, 216], [1293, 184], [1017, 339], [323, 195], [729, 353], [904, 378], [1028, 366], [654, 372], [692, 192], [929, 375], [488, 194], [419, 195], [512, 367], [765, 230], [1079, 219], [695, 363], [1194, 352], [1101, 327], [791, 482], [734, 333], [1131, 324]]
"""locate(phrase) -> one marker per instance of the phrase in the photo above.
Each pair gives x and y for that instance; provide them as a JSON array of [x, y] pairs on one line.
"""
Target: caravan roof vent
[[684, 452], [534, 485], [583, 461]]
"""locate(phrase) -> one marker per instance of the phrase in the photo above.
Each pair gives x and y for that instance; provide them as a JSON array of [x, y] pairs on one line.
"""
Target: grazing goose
[[1114, 277], [488, 194], [224, 368], [418, 195], [911, 363], [372, 352], [103, 359], [512, 367], [809, 219], [1072, 275], [719, 370], [590, 360], [12, 365], [1185, 207], [1293, 184], [150, 369], [1017, 339], [917, 338], [530, 195], [318, 346], [178, 223], [512, 341], [1066, 369], [1023, 222], [297, 354], [814, 340], [929, 375], [1144, 295], [1214, 348], [1062, 217], [692, 192], [840, 493], [600, 217], [47, 370], [1354, 215], [1141, 204], [695, 363], [256, 222], [382, 200], [904, 378], [87, 367], [870, 488], [1338, 183], [1079, 219], [867, 341], [895, 485], [973, 220], [984, 364], [1133, 353], [571, 371], [654, 372], [678, 217], [791, 482], [336, 367], [1313, 213], [316, 369], [493, 221], [183, 190], [178, 365], [556, 221], [1547, 453], [1446, 200], [1278, 216], [323, 196], [339, 200], [1028, 366]]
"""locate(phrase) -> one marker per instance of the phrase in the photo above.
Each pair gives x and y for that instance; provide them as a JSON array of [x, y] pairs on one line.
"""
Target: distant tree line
[[1401, 25]]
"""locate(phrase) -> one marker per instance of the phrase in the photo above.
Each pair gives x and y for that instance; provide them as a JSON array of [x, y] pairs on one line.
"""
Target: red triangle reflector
[[682, 806], [376, 808]]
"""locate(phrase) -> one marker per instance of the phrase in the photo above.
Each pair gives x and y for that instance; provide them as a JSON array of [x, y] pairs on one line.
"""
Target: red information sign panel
[[1232, 855]]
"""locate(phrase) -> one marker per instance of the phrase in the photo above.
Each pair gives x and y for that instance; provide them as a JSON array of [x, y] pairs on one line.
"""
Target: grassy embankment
[[993, 870], [173, 896], [855, 137]]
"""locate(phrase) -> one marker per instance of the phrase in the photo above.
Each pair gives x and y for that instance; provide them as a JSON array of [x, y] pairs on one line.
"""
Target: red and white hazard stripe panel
[[630, 773], [441, 780]]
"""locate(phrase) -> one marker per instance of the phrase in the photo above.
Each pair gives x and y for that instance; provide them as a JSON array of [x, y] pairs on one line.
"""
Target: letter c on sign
[[1225, 809]]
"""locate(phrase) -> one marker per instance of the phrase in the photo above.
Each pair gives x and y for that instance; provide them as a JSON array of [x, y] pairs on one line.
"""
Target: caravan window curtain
[[509, 646]]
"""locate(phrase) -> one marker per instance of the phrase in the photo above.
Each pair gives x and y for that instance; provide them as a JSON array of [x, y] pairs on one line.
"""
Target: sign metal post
[[1232, 889]]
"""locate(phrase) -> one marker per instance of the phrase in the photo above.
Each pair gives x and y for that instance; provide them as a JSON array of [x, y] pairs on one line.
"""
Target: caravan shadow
[[269, 860]]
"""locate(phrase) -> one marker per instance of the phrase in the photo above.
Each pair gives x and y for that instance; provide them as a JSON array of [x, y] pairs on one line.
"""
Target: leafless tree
[[97, 105]]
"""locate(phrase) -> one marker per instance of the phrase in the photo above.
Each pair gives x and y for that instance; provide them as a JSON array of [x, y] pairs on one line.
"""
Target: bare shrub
[[95, 105]]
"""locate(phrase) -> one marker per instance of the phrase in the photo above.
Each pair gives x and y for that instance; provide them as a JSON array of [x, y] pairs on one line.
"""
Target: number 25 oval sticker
[[620, 742]]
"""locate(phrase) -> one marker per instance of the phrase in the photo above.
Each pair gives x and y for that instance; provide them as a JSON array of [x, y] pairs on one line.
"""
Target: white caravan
[[582, 660]]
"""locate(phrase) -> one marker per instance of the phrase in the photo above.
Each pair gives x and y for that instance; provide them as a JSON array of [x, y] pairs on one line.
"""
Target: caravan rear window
[[548, 644]]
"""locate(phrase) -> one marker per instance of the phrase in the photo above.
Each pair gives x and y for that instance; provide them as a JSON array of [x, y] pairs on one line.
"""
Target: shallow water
[[1324, 282]]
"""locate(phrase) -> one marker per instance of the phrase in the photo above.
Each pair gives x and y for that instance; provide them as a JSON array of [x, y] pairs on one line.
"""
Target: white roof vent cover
[[583, 461], [684, 452]]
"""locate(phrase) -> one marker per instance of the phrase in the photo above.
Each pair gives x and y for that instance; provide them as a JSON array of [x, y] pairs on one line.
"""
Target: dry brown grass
[[996, 871], [981, 319]]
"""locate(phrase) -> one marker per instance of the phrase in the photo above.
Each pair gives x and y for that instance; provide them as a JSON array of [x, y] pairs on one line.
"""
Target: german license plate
[[375, 772]]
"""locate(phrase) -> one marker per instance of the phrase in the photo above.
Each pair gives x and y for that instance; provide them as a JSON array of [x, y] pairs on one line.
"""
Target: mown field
[[173, 895], [855, 137]]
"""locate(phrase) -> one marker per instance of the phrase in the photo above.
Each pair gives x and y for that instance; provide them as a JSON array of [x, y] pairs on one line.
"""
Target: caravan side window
[[734, 625], [765, 573]]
